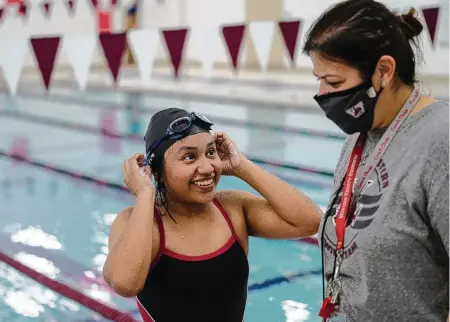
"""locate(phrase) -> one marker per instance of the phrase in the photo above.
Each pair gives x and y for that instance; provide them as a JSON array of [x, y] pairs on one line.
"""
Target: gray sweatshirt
[[396, 265]]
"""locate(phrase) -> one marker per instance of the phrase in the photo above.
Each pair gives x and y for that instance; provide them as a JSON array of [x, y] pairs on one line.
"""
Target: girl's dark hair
[[359, 32], [162, 200]]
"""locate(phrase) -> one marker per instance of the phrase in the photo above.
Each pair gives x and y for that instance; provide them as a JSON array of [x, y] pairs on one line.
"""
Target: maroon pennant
[[46, 6], [113, 3], [289, 31], [1, 13], [175, 40], [113, 45], [23, 10], [45, 50], [233, 36], [70, 5], [431, 16]]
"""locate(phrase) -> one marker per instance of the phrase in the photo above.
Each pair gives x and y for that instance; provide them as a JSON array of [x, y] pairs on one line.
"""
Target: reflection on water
[[34, 236], [26, 297], [100, 237], [295, 311], [40, 264], [98, 293]]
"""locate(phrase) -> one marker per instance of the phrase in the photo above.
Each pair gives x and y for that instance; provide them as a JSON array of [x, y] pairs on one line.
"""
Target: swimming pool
[[59, 226]]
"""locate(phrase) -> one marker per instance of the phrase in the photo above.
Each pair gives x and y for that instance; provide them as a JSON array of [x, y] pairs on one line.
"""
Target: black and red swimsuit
[[206, 288]]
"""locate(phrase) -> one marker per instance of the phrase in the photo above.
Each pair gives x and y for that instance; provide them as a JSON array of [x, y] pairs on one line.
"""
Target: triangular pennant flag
[[144, 46], [431, 16], [104, 5], [46, 7], [289, 31], [12, 58], [1, 13], [80, 51], [233, 36], [175, 40], [94, 3], [262, 33], [205, 39], [70, 6], [113, 46], [23, 9], [45, 50]]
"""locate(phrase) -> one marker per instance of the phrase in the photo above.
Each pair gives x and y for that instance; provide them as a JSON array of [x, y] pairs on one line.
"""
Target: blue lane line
[[282, 279], [251, 288]]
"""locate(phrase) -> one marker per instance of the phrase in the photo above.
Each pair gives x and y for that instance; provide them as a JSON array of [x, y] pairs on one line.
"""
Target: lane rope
[[65, 290]]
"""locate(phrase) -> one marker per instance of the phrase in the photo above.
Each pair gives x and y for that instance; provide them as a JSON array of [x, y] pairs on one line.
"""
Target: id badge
[[337, 317]]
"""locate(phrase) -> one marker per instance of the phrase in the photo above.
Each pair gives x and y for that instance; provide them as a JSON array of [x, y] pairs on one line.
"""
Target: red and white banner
[[36, 35]]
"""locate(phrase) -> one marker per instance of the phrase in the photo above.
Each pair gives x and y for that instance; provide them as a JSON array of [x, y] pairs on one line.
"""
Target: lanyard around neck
[[374, 158]]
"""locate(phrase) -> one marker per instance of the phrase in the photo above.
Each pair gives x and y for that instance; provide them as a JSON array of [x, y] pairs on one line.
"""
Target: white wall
[[205, 14]]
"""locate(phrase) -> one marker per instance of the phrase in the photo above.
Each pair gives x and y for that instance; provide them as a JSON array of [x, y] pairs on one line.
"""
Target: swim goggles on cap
[[176, 130]]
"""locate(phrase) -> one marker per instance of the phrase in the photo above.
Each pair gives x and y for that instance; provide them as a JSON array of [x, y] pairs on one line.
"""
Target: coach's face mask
[[352, 109]]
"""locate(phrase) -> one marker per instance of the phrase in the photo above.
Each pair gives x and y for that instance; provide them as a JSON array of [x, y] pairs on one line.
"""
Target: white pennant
[[14, 47], [262, 33], [11, 11], [85, 17], [60, 19], [12, 57], [104, 5], [205, 39], [144, 46], [80, 52], [36, 20]]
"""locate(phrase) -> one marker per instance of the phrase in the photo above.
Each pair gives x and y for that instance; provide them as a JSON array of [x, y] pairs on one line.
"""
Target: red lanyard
[[347, 191], [329, 305]]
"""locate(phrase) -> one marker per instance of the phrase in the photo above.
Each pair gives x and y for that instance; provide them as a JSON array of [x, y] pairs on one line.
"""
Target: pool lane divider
[[282, 279], [107, 133], [75, 295]]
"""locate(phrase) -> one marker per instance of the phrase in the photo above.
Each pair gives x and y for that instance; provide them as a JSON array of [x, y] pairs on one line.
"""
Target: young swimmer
[[182, 248]]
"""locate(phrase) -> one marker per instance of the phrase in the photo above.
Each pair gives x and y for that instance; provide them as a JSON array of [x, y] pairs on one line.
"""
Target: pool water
[[59, 226]]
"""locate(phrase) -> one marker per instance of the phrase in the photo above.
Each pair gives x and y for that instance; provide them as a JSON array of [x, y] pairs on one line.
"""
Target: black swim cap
[[157, 128]]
